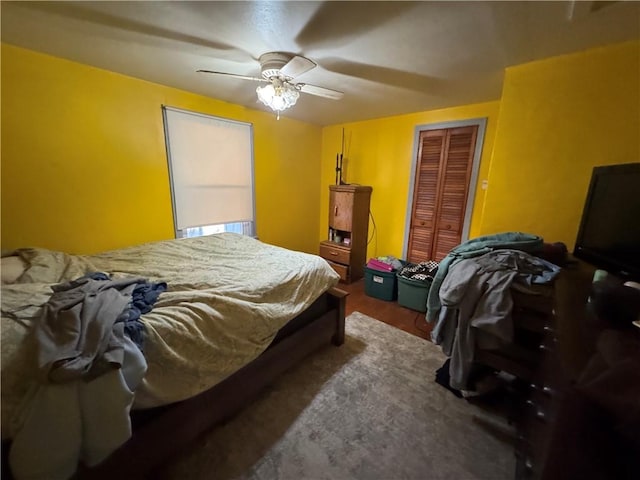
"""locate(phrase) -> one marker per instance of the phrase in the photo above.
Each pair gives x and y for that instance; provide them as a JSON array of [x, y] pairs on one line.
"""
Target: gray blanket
[[476, 297]]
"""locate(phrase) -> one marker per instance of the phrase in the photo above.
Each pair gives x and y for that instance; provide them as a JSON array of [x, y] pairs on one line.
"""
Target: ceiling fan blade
[[244, 77], [385, 75], [297, 66], [320, 91]]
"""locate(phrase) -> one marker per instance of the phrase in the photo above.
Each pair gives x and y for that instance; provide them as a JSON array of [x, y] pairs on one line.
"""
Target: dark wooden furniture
[[346, 248], [532, 317], [562, 432]]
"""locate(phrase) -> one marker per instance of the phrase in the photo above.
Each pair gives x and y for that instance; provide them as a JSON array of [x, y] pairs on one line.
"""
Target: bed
[[235, 314]]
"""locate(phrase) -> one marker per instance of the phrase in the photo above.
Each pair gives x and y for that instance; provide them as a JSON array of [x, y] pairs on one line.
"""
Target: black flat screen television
[[609, 234]]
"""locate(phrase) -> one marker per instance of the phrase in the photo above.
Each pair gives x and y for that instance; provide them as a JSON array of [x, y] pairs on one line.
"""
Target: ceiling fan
[[278, 69]]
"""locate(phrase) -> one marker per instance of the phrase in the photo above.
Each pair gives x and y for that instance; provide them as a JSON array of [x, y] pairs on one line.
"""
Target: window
[[245, 228], [211, 173]]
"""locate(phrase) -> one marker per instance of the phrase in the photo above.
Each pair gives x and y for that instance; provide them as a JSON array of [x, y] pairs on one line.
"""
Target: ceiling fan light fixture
[[279, 71], [278, 95]]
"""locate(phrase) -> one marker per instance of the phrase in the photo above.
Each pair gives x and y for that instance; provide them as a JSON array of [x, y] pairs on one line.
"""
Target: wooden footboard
[[338, 301], [173, 429]]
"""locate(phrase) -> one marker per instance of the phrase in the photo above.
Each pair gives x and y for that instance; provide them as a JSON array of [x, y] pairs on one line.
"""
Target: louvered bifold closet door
[[443, 171], [455, 172], [425, 195]]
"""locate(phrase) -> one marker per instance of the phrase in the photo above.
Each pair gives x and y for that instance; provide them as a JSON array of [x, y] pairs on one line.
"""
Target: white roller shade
[[211, 169]]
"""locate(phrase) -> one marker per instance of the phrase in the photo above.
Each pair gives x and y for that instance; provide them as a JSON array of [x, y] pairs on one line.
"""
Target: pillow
[[11, 269]]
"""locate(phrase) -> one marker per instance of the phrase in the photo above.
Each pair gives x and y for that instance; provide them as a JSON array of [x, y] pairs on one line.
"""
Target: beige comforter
[[227, 297]]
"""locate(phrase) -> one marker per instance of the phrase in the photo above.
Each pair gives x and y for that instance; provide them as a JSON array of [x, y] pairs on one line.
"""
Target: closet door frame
[[473, 180]]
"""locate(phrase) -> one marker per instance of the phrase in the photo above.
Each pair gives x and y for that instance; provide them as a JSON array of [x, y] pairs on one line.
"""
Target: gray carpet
[[366, 410]]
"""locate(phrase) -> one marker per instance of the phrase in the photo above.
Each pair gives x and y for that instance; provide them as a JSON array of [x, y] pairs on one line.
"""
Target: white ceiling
[[387, 57]]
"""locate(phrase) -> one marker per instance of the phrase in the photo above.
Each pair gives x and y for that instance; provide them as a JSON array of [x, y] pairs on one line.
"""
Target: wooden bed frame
[[159, 434]]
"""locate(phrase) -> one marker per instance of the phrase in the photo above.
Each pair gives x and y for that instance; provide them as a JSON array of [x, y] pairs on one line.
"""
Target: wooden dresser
[[346, 246], [563, 432]]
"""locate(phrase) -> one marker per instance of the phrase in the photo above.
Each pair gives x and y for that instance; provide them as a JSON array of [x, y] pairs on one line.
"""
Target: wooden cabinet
[[346, 247]]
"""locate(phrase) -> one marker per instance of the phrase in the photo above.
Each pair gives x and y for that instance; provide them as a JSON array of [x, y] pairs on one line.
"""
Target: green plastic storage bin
[[379, 284], [413, 293]]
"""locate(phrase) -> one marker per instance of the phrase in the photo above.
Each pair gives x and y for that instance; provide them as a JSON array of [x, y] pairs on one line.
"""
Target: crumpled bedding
[[477, 304], [227, 297]]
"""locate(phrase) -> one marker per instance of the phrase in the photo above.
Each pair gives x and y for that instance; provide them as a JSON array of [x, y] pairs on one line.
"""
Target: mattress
[[227, 297]]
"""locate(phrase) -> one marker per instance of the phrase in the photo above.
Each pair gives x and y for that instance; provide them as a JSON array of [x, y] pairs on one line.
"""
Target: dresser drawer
[[342, 270], [335, 254]]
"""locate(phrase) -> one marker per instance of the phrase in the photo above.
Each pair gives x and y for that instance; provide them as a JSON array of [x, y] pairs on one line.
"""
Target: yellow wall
[[84, 165], [558, 119], [380, 153]]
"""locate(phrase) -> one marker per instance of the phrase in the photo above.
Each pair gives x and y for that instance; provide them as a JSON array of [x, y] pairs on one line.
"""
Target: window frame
[[182, 233]]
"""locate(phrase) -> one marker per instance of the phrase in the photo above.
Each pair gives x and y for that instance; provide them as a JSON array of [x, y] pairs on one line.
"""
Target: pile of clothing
[[423, 271], [470, 298], [90, 360]]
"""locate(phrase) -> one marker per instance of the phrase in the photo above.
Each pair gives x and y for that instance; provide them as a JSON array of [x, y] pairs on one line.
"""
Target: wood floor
[[387, 312]]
